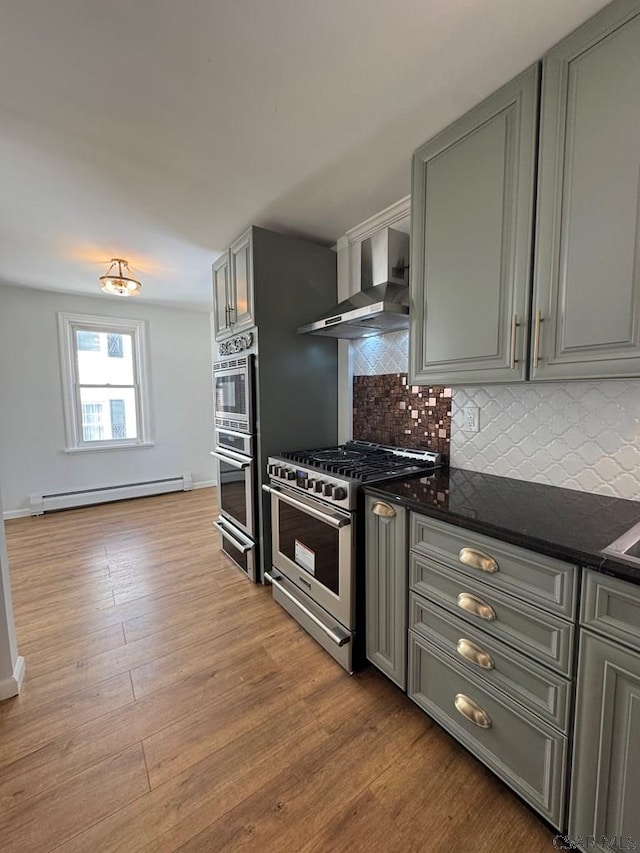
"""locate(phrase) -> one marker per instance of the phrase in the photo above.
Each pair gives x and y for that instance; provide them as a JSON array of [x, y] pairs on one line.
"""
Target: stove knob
[[310, 484], [271, 469], [339, 493], [317, 485], [327, 489], [289, 474], [277, 471]]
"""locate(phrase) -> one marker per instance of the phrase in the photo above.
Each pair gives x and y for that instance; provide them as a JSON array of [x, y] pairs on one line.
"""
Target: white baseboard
[[11, 686], [204, 484], [24, 513], [15, 513]]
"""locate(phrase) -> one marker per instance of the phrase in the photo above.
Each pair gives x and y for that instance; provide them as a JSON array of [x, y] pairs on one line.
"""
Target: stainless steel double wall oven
[[235, 458]]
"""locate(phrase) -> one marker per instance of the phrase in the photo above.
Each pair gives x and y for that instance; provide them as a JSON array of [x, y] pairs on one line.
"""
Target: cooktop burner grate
[[364, 461]]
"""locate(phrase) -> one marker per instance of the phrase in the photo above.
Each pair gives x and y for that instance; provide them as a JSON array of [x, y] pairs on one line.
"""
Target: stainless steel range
[[318, 542]]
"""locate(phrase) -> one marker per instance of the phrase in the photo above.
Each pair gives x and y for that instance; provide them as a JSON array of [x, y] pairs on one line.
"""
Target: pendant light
[[118, 279]]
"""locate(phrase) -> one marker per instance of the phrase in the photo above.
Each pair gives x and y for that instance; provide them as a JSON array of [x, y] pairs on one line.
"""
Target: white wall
[[11, 665], [578, 435], [32, 436]]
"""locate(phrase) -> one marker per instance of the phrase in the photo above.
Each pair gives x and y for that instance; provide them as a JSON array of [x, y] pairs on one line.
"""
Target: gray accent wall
[[582, 435]]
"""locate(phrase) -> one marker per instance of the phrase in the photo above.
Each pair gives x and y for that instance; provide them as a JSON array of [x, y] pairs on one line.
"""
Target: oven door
[[235, 488], [312, 545], [232, 395], [237, 547]]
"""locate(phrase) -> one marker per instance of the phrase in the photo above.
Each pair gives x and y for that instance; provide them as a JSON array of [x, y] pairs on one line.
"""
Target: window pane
[[89, 341], [115, 346], [108, 414], [99, 366], [92, 422]]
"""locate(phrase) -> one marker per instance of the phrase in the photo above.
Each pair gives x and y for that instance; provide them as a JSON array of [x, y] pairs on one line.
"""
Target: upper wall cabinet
[[472, 225], [233, 289], [587, 265]]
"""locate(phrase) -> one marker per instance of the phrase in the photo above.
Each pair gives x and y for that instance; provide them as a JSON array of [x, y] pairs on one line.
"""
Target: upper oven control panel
[[338, 491]]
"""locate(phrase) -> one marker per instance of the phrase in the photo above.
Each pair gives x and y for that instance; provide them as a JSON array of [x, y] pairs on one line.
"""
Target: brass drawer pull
[[383, 510], [476, 606], [472, 711], [477, 560], [469, 651]]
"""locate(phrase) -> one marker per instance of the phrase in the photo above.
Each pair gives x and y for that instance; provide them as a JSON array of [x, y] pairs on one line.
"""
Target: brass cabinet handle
[[536, 338], [478, 560], [383, 510], [227, 323], [469, 651], [472, 711], [476, 606], [512, 351]]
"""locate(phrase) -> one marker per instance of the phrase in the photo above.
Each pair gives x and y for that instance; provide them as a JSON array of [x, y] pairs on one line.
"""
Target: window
[[104, 382]]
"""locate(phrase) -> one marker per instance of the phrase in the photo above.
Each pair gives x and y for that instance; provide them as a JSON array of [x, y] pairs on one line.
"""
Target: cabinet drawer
[[538, 689], [522, 750], [612, 606], [534, 578], [545, 637]]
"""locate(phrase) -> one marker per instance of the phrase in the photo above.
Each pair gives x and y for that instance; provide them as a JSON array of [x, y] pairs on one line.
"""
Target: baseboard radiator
[[39, 504]]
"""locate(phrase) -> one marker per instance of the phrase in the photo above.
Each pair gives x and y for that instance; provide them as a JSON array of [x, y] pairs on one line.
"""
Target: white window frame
[[67, 324]]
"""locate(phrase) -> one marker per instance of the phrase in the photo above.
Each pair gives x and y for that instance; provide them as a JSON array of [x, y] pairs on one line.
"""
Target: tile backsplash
[[387, 410], [579, 435]]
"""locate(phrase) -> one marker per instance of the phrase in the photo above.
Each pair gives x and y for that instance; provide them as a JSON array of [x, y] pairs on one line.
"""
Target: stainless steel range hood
[[382, 305]]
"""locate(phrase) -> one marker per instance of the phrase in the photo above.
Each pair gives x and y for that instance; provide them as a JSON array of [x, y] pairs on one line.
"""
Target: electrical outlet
[[471, 419]]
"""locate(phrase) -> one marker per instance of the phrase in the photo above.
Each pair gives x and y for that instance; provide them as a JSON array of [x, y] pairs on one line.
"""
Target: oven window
[[240, 559], [310, 544], [234, 442], [231, 397], [232, 490]]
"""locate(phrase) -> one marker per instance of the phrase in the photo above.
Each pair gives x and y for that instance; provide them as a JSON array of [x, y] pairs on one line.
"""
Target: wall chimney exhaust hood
[[382, 304]]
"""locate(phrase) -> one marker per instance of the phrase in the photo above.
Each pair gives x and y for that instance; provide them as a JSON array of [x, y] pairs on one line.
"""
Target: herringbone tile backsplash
[[580, 435]]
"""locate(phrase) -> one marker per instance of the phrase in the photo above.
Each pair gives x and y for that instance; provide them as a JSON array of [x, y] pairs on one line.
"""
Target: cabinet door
[[587, 281], [605, 786], [221, 297], [472, 223], [386, 588], [242, 282]]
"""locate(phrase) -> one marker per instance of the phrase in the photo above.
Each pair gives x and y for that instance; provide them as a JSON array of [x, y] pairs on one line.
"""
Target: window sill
[[102, 447]]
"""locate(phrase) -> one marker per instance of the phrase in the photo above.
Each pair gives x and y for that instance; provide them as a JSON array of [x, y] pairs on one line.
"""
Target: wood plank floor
[[169, 704]]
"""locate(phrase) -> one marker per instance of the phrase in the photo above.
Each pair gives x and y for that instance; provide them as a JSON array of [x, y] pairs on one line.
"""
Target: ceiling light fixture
[[118, 279]]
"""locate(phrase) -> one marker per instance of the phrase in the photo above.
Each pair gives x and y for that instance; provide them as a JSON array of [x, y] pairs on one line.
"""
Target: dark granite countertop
[[563, 523]]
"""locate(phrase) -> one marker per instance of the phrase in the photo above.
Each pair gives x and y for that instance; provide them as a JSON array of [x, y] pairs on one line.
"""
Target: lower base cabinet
[[605, 791], [529, 755], [386, 588]]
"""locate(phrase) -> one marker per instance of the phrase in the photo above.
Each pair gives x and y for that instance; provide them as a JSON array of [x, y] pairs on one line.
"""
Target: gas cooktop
[[364, 461]]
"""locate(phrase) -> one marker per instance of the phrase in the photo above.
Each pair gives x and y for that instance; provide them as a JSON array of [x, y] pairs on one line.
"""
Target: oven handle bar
[[340, 638], [334, 520], [235, 542], [229, 460]]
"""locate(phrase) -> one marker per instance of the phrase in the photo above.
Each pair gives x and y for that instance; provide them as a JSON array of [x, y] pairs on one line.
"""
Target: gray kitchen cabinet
[[586, 308], [221, 297], [233, 296], [605, 784], [605, 789], [386, 587], [490, 653], [472, 226]]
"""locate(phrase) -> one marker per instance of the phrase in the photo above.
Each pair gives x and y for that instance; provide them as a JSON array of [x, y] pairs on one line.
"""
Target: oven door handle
[[235, 542], [340, 638], [230, 460], [334, 520]]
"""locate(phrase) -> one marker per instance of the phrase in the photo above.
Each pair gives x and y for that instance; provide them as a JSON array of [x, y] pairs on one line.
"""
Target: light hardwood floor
[[169, 704]]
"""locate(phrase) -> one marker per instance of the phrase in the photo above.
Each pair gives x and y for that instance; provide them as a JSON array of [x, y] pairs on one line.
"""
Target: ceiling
[[158, 130]]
